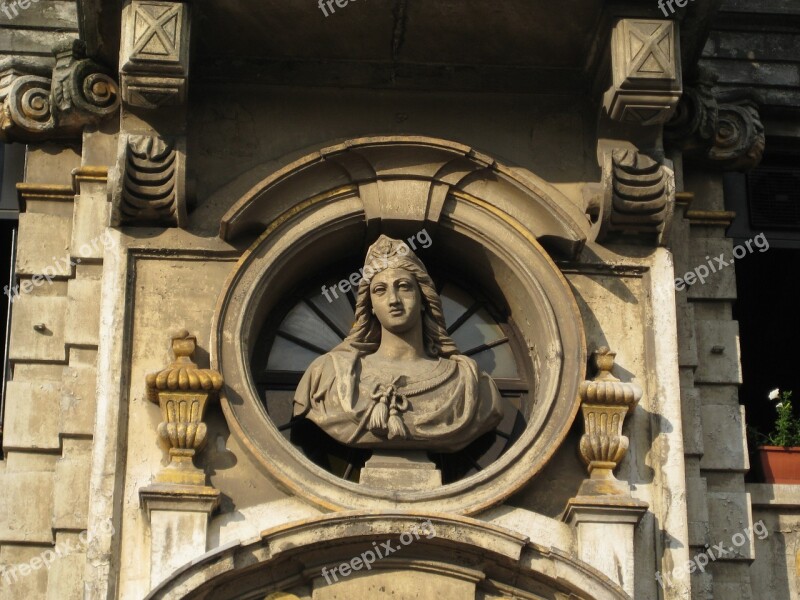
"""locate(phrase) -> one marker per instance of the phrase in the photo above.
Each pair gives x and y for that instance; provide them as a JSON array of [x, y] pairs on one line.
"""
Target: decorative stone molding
[[311, 210], [183, 391], [604, 508], [719, 218], [646, 72], [707, 129], [605, 401], [639, 196], [155, 53], [38, 105], [492, 562], [148, 186]]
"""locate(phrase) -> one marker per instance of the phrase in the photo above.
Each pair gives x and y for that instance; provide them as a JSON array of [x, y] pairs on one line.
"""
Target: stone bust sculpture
[[398, 381]]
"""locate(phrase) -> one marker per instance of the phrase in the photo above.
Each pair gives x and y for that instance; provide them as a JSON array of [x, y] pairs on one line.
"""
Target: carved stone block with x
[[155, 53], [646, 73]]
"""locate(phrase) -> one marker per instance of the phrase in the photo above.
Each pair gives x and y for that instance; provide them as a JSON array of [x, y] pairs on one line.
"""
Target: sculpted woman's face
[[396, 300]]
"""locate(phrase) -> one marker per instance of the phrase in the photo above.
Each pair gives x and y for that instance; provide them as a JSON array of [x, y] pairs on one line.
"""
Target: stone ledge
[[774, 496]]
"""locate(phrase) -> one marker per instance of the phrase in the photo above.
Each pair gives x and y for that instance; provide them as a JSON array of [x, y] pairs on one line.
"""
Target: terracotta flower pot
[[780, 465]]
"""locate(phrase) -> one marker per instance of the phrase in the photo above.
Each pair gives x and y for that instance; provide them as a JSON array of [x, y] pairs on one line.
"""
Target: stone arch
[[386, 173], [487, 215], [465, 557]]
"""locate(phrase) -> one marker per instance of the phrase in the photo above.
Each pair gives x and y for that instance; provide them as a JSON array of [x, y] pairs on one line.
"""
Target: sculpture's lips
[[397, 312]]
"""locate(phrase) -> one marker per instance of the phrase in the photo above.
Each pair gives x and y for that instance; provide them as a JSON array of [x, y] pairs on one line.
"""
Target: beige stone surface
[[83, 321], [29, 479], [176, 538], [19, 580], [32, 415], [29, 344], [78, 399], [540, 529], [51, 163], [44, 245], [89, 221], [63, 582], [396, 584], [71, 487]]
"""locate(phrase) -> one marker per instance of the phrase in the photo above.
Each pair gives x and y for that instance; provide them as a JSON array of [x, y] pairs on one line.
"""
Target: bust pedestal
[[401, 470]]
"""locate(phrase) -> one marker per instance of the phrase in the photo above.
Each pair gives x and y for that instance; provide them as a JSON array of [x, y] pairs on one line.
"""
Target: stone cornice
[[40, 101]]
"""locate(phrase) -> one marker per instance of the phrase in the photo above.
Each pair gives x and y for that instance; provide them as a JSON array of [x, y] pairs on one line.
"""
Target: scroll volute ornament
[[605, 401], [183, 392]]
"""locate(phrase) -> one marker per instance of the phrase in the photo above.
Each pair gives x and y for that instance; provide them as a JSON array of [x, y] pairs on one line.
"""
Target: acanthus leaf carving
[[717, 130], [39, 103]]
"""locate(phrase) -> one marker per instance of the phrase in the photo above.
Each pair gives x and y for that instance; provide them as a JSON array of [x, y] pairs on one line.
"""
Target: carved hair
[[366, 332]]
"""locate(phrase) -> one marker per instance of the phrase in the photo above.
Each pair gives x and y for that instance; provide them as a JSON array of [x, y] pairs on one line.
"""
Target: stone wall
[[50, 406]]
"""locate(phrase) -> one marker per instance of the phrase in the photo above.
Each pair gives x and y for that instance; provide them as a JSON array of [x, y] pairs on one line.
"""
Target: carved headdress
[[388, 253]]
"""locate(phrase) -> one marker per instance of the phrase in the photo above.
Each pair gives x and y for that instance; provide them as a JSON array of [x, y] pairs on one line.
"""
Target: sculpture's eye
[[379, 288]]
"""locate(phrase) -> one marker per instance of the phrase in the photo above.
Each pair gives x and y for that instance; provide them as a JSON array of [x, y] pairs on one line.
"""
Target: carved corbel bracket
[[646, 72], [605, 402], [638, 197], [38, 103], [183, 391], [715, 132], [148, 185], [154, 63]]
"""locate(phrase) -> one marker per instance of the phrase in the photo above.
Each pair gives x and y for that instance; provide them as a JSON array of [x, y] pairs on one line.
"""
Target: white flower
[[779, 405], [773, 395]]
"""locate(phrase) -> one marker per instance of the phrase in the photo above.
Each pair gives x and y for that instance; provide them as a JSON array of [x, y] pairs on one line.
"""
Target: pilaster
[[604, 508], [179, 503]]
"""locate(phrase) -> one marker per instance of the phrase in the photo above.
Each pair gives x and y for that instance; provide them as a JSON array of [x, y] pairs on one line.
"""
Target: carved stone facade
[[148, 185], [708, 129], [155, 54], [39, 103], [646, 72], [187, 384]]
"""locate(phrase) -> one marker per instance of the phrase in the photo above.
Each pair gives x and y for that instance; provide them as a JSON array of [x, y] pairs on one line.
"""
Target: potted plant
[[779, 451]]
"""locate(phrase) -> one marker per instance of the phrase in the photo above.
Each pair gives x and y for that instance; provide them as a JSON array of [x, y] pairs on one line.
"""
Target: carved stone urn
[[183, 391]]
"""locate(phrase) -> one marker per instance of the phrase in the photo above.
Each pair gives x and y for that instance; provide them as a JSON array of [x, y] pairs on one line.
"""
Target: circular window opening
[[316, 318]]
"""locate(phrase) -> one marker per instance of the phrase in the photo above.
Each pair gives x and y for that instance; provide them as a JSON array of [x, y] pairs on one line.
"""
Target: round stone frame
[[484, 219]]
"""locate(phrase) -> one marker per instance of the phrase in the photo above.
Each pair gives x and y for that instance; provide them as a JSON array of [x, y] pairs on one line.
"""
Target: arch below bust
[[291, 557], [385, 172]]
